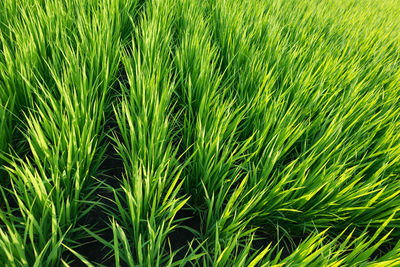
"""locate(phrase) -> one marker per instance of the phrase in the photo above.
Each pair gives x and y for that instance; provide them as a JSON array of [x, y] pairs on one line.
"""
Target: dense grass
[[199, 133]]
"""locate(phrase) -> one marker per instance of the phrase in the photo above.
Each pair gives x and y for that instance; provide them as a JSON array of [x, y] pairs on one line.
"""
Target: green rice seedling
[[148, 200], [54, 188], [273, 122], [281, 149], [5, 126], [315, 250], [292, 119], [19, 64], [210, 124], [364, 109], [353, 250]]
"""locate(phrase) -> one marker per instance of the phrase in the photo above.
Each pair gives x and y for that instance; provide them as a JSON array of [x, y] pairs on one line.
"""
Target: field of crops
[[200, 133]]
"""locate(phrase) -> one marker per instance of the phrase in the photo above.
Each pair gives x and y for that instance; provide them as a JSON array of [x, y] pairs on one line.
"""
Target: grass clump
[[199, 133]]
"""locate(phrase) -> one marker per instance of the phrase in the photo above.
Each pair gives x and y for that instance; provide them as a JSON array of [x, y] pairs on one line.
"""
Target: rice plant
[[199, 133]]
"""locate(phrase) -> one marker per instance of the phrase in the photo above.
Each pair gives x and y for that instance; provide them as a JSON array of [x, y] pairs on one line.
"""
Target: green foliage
[[273, 123]]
